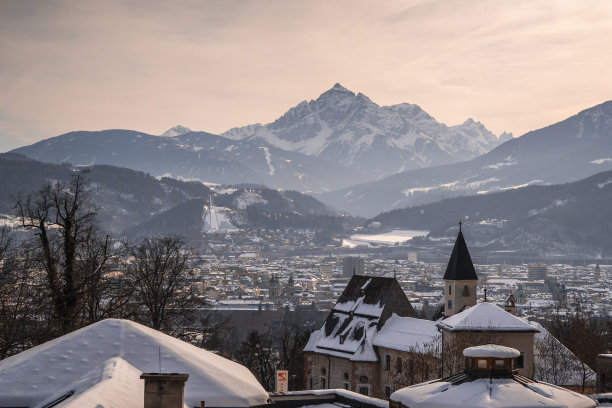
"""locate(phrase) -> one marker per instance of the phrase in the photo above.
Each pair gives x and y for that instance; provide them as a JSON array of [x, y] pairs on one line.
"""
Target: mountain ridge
[[574, 148]]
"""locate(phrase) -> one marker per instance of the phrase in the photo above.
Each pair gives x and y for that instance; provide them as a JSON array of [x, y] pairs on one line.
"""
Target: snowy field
[[387, 238]]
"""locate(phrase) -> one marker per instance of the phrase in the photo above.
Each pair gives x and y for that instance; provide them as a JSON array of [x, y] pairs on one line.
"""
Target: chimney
[[164, 390]]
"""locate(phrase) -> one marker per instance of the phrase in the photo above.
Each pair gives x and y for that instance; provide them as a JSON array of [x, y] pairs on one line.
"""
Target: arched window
[[466, 291]]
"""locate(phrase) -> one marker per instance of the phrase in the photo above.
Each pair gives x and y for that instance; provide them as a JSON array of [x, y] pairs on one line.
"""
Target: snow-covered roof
[[491, 350], [486, 316], [347, 395], [364, 307], [406, 333], [489, 392], [79, 361], [115, 383]]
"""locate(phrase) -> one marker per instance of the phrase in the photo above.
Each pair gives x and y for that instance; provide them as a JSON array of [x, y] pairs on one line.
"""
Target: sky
[[213, 65]]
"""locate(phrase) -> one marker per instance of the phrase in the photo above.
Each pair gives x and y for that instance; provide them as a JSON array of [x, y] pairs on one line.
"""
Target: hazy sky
[[213, 65]]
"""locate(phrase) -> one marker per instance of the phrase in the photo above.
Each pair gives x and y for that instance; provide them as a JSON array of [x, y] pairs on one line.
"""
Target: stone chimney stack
[[164, 390]]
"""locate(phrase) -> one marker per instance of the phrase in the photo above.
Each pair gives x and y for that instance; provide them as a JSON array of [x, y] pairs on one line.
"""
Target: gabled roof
[[39, 373], [361, 311], [460, 266], [486, 317]]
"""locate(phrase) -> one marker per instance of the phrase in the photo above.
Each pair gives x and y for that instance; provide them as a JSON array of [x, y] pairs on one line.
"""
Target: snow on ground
[[602, 161], [79, 359], [271, 168], [602, 185], [389, 238], [248, 198], [216, 219], [508, 161]]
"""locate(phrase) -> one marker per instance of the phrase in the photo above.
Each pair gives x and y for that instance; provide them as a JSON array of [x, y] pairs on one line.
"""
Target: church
[[372, 343]]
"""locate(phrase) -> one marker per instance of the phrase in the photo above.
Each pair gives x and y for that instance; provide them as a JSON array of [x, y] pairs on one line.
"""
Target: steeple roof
[[460, 266]]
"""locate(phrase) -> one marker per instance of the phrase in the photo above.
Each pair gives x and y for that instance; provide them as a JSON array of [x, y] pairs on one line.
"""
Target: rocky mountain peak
[[177, 130]]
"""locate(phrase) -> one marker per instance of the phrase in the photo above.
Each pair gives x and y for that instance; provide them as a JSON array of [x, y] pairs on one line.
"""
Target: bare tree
[[62, 218], [22, 300], [257, 354], [158, 273], [554, 363]]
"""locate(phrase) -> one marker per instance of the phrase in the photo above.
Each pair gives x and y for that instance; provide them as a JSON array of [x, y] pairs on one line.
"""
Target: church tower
[[459, 279]]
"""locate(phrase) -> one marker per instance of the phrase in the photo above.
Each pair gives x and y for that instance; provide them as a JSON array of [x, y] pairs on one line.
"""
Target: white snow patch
[[602, 185], [491, 350], [393, 237], [508, 161], [269, 160], [602, 161], [248, 198]]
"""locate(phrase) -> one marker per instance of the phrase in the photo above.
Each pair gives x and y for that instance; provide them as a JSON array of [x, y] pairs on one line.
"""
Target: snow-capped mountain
[[177, 130], [317, 146], [567, 151], [350, 129]]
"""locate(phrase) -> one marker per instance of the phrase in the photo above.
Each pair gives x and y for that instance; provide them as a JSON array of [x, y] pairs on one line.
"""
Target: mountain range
[[321, 145], [557, 219], [570, 150], [132, 202]]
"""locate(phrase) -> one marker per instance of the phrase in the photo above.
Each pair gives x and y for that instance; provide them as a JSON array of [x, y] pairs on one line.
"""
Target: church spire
[[460, 266]]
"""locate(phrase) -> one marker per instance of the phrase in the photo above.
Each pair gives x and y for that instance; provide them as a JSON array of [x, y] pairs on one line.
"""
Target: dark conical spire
[[460, 266]]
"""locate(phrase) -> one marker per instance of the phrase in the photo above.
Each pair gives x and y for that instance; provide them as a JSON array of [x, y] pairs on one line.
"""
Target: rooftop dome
[[491, 350], [489, 381]]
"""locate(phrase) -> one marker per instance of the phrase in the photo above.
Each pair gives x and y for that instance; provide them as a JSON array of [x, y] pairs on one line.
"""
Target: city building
[[353, 265], [537, 271], [369, 334]]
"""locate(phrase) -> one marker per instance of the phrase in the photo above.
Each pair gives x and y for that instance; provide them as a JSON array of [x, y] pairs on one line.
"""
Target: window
[[466, 291], [450, 292], [387, 391], [323, 371], [450, 304], [310, 383], [364, 391], [387, 362], [323, 383], [398, 362], [346, 376], [520, 360], [500, 364], [481, 363], [346, 386]]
